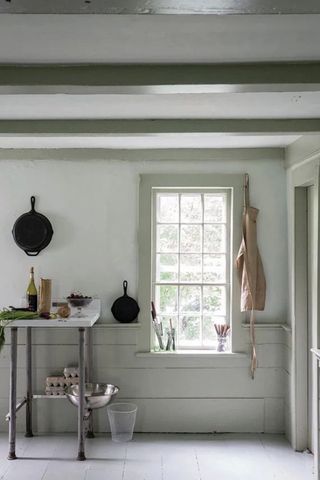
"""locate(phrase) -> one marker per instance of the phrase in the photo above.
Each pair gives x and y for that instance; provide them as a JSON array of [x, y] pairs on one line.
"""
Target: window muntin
[[191, 262]]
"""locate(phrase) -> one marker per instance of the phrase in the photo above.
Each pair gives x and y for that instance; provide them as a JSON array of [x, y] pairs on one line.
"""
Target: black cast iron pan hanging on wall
[[32, 231], [125, 309]]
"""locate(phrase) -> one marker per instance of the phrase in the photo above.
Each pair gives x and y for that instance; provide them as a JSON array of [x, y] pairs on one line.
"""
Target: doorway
[[312, 315], [305, 306]]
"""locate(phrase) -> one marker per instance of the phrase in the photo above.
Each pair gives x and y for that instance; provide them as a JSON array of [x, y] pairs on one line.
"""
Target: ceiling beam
[[136, 127], [162, 7], [150, 79]]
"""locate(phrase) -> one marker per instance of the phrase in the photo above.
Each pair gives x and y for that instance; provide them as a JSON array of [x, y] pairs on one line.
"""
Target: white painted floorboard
[[158, 457]]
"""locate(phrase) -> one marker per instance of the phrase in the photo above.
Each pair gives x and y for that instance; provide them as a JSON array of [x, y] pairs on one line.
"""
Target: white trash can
[[122, 417]]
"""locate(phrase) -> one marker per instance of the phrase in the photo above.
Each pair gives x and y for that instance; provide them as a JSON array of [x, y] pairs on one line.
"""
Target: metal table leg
[[29, 385], [13, 394], [81, 454], [88, 356]]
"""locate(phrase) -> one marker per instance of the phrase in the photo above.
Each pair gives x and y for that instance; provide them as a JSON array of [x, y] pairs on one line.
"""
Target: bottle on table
[[32, 296]]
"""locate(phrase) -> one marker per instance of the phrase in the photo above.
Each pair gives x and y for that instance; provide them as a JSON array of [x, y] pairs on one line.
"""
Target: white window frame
[[227, 283], [148, 184]]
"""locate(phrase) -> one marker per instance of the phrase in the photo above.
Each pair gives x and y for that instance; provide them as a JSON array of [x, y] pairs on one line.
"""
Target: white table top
[[91, 315]]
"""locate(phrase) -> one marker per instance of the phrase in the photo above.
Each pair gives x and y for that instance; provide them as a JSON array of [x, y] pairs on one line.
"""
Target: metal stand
[[13, 394], [29, 385], [85, 352], [90, 433], [81, 439]]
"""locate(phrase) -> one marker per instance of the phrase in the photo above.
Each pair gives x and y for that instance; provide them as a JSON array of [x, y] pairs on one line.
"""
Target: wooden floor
[[158, 457]]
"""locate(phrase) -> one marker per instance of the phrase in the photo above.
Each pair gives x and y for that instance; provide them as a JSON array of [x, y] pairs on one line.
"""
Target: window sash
[[227, 192]]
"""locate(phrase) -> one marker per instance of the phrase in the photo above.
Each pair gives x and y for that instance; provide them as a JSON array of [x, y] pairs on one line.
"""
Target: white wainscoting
[[200, 394]]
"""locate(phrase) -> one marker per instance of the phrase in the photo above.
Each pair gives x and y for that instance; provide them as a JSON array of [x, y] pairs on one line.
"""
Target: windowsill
[[193, 354]]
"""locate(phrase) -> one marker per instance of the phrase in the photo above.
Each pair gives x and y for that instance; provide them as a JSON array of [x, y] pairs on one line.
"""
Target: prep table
[[83, 324]]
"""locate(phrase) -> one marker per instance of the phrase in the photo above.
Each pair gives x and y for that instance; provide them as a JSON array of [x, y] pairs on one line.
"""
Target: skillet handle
[[125, 286], [33, 202], [30, 254]]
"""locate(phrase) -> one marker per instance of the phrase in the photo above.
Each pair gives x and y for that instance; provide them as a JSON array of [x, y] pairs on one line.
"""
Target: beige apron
[[251, 274]]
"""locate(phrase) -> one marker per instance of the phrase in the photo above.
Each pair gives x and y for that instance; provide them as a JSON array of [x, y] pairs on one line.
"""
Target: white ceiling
[[158, 38], [183, 106], [79, 39]]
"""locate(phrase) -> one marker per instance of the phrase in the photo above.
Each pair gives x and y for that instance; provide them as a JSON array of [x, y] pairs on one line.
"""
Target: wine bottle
[[32, 297]]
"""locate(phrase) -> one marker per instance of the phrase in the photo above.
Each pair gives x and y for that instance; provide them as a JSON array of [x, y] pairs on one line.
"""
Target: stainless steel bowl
[[97, 395]]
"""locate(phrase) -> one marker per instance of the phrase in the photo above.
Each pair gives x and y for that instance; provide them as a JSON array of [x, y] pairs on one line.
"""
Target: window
[[189, 236], [191, 262]]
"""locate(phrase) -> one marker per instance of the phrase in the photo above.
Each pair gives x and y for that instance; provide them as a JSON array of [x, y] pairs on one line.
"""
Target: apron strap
[[253, 365], [246, 197]]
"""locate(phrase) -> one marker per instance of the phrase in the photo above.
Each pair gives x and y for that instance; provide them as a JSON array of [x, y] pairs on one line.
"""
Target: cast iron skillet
[[32, 231], [125, 309]]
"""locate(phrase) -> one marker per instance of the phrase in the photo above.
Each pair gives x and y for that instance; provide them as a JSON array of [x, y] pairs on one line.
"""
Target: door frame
[[300, 179]]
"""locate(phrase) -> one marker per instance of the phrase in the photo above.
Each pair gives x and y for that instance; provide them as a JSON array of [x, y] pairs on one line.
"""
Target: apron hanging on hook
[[250, 269]]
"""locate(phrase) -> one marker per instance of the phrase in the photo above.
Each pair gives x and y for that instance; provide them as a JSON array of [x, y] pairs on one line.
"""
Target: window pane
[[189, 300], [214, 300], [167, 268], [190, 268], [167, 238], [190, 238], [189, 331], [168, 208], [214, 268], [166, 299], [190, 260], [191, 208], [214, 238], [214, 208], [209, 333]]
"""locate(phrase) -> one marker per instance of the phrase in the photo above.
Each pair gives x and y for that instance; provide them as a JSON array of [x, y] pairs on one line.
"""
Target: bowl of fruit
[[77, 300]]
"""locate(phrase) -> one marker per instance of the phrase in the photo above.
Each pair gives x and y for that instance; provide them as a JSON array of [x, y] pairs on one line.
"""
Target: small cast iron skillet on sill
[[32, 231]]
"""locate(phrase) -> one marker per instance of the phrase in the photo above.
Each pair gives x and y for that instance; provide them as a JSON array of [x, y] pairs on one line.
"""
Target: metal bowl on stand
[[97, 395]]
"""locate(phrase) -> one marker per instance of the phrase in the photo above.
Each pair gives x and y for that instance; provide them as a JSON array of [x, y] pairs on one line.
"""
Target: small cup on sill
[[223, 344]]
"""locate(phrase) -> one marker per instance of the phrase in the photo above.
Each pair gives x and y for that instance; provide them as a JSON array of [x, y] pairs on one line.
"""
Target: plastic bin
[[122, 417]]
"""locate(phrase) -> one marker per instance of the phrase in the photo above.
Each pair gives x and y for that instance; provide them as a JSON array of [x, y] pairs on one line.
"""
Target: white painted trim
[[118, 325], [300, 337], [283, 326], [147, 184], [193, 354], [227, 284], [303, 163], [303, 150], [316, 351]]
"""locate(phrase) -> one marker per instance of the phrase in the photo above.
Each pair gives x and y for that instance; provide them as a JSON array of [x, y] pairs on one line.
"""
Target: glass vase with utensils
[[170, 332], [157, 326], [171, 340], [223, 332]]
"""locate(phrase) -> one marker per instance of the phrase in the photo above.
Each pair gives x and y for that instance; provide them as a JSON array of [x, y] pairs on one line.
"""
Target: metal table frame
[[85, 364]]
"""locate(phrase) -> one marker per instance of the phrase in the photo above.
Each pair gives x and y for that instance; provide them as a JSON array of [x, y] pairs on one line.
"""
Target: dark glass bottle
[[32, 296]]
